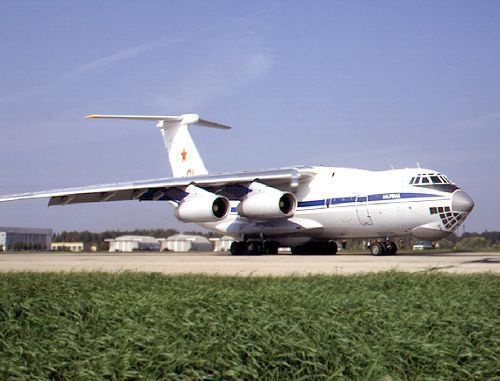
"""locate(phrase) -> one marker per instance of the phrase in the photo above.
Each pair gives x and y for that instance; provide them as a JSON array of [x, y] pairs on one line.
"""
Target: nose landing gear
[[383, 248]]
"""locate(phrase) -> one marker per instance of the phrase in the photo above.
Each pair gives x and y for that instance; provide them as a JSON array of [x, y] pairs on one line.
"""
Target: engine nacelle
[[202, 206], [267, 203]]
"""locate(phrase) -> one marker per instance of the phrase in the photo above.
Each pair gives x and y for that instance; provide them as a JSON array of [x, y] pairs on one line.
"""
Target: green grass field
[[387, 326]]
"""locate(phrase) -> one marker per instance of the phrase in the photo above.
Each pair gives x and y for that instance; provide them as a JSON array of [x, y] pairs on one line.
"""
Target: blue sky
[[357, 84]]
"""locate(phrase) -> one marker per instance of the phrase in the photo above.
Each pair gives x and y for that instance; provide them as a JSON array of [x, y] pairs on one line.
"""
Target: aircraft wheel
[[326, 248], [239, 248], [271, 248], [316, 248], [377, 249], [391, 247], [255, 248], [330, 248], [313, 248]]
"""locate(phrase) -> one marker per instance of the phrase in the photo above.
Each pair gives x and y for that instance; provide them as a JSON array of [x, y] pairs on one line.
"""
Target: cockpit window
[[430, 178], [436, 180]]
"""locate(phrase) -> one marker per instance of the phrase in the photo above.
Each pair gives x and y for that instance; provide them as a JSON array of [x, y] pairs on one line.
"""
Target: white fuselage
[[353, 203]]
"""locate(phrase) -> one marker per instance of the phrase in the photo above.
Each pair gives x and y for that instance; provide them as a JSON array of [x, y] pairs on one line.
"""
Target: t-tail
[[183, 155]]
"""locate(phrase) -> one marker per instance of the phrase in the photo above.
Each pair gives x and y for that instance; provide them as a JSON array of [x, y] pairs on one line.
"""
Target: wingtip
[[91, 116]]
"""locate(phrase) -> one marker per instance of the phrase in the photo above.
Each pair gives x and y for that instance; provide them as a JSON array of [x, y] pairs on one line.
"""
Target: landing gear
[[254, 248], [271, 248], [383, 248], [316, 248], [391, 247], [377, 249], [239, 248]]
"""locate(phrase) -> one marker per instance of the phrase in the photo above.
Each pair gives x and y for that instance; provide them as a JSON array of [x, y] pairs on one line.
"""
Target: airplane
[[306, 208]]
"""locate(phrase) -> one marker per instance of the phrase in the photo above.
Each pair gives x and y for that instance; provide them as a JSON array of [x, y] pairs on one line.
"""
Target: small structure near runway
[[185, 242], [222, 244], [75, 247], [129, 243]]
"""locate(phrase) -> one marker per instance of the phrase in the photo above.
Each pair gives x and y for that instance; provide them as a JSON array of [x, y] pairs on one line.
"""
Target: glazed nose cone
[[461, 202]]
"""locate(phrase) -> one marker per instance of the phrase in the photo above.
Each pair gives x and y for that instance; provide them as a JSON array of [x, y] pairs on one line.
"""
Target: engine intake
[[202, 206], [264, 202]]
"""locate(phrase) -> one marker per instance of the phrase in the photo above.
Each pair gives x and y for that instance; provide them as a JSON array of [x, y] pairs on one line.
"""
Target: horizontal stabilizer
[[174, 119]]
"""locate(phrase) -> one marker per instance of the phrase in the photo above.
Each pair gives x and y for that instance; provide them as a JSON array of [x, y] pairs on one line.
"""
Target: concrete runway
[[208, 263]]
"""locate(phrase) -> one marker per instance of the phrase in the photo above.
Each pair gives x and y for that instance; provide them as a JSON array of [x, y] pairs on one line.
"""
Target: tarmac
[[269, 265]]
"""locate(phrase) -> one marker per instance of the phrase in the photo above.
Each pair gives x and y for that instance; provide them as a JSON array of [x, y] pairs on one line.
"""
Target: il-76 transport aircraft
[[306, 208]]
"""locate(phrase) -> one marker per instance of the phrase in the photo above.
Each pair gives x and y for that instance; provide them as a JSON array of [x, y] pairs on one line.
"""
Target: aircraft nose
[[461, 202]]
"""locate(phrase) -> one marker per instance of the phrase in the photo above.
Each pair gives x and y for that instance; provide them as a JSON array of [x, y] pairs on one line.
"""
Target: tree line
[[472, 241]]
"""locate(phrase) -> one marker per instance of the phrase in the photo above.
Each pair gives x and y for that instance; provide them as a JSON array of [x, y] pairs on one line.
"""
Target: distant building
[[184, 242], [76, 247], [129, 243], [17, 239], [222, 244]]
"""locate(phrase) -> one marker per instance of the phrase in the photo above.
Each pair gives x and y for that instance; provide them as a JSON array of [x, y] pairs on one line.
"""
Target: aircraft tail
[[183, 155]]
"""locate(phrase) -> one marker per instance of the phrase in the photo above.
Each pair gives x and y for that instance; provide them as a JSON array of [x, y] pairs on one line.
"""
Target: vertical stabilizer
[[183, 155]]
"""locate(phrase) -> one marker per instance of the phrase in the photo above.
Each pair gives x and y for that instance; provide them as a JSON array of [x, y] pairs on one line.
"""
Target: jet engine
[[202, 206], [264, 202]]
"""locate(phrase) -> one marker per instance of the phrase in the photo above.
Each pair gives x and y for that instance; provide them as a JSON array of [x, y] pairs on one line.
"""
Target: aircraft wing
[[231, 185]]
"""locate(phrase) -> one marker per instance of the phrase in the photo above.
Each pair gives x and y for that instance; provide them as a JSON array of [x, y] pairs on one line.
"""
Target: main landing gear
[[271, 247], [383, 248], [254, 248], [316, 248]]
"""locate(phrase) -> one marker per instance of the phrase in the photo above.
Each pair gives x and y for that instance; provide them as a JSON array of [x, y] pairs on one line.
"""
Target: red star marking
[[183, 154]]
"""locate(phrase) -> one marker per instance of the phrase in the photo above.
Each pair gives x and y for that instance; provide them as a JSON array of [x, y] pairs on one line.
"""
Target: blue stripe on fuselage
[[305, 204], [342, 200], [372, 197], [348, 200]]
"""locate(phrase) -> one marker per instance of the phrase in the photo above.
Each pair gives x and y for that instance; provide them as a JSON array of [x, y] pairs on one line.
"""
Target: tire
[[316, 248], [391, 247], [377, 249], [234, 248], [238, 248], [331, 248], [255, 248], [271, 248]]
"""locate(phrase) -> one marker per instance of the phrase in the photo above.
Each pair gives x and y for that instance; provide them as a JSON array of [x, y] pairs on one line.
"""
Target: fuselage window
[[425, 180]]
